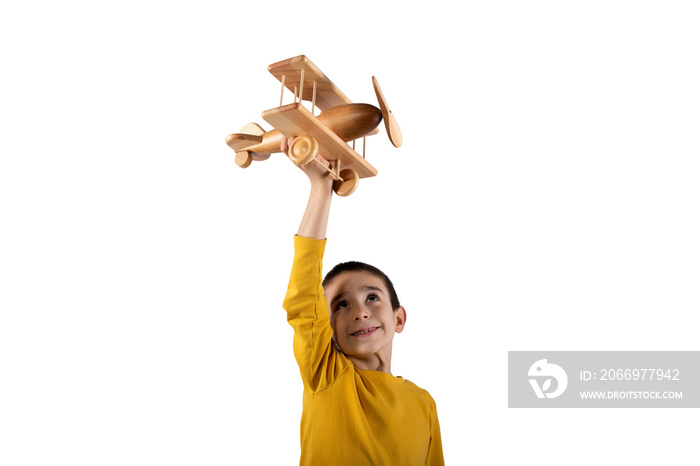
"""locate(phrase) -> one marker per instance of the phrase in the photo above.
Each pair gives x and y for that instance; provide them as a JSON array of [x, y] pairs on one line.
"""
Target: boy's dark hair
[[353, 266]]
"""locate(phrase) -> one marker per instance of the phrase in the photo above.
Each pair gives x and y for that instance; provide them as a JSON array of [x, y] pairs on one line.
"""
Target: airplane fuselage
[[348, 122]]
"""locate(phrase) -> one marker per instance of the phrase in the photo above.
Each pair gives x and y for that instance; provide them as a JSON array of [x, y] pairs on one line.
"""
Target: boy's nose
[[361, 314]]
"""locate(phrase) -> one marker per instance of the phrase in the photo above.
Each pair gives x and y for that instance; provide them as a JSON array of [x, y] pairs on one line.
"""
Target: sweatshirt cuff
[[302, 243]]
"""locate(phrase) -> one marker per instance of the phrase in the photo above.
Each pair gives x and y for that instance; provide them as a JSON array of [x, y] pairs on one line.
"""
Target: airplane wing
[[327, 94], [295, 120]]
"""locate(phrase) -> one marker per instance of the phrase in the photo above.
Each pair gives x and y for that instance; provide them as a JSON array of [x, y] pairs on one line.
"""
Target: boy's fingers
[[284, 145], [323, 161]]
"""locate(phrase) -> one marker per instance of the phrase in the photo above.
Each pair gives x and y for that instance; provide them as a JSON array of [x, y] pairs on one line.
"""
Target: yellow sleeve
[[307, 313], [435, 456]]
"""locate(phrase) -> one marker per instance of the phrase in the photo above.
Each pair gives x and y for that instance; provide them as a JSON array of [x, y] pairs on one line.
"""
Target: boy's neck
[[372, 363]]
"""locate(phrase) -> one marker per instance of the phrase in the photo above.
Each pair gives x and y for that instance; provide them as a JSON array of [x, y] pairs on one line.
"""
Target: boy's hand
[[318, 175]]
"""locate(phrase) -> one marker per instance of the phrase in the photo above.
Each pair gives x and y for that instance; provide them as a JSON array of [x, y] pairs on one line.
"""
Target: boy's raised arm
[[305, 302], [315, 220]]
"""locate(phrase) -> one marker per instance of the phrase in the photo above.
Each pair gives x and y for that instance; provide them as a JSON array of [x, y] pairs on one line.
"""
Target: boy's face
[[361, 315]]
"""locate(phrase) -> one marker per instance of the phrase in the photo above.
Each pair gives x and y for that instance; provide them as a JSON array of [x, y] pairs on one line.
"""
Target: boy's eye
[[373, 297], [341, 305]]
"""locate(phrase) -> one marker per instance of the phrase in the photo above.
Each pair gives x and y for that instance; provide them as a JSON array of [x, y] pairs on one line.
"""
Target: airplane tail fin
[[253, 128]]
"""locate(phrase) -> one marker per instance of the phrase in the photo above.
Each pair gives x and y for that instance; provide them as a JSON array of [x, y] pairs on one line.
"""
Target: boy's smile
[[364, 332], [363, 320]]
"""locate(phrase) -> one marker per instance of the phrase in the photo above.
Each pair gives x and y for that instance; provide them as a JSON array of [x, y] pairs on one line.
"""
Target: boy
[[355, 412]]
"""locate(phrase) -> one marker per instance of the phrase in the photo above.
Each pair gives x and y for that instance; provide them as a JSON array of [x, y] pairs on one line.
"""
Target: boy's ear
[[399, 319]]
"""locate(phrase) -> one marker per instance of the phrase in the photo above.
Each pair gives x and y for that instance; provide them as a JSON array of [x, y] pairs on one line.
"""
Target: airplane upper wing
[[327, 95]]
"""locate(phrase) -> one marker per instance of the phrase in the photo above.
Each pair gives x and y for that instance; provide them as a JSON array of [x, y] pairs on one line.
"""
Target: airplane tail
[[250, 134]]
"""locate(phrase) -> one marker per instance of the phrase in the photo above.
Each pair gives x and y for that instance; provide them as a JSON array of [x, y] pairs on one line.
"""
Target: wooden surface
[[392, 127], [294, 120], [253, 128], [351, 121], [347, 184], [240, 141], [268, 143], [327, 94], [348, 122]]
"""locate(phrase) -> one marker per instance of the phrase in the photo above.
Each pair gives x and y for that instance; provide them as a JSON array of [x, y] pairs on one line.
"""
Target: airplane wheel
[[303, 150], [244, 158], [349, 184]]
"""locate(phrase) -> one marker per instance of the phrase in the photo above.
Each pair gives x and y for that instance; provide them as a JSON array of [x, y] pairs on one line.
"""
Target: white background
[[546, 198]]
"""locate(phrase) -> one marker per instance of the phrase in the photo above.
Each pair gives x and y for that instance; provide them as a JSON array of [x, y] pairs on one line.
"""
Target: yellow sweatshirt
[[350, 416]]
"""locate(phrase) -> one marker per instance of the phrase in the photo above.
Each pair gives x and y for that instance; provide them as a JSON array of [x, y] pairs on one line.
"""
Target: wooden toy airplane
[[339, 122]]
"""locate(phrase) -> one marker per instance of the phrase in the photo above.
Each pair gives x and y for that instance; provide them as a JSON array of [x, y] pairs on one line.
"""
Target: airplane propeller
[[392, 127]]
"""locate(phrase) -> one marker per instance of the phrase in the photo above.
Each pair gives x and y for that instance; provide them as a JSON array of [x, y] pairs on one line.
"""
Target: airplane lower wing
[[295, 120]]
